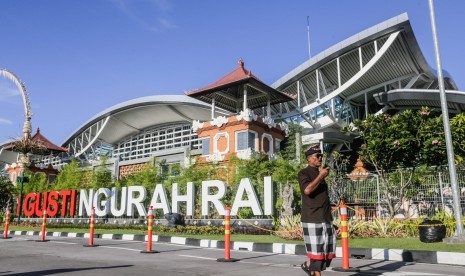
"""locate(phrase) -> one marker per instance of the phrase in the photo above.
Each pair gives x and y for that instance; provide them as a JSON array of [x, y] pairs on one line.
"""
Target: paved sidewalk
[[420, 256]]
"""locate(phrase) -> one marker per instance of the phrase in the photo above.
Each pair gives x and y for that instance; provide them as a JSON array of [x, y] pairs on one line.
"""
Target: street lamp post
[[459, 235]]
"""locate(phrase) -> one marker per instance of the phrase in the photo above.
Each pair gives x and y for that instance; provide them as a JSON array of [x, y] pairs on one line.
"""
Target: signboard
[[129, 201]]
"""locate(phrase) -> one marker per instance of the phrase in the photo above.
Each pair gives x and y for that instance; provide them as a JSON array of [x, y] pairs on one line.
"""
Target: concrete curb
[[420, 256]]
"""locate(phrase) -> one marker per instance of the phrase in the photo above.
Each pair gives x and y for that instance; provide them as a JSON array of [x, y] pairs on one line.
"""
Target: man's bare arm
[[314, 184]]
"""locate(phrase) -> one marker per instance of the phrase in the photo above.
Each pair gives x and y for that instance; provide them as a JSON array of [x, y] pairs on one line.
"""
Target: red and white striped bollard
[[91, 229], [227, 237], [44, 227], [345, 242], [149, 233], [7, 222]]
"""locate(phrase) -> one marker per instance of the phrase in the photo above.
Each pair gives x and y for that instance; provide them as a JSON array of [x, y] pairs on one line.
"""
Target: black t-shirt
[[316, 207]]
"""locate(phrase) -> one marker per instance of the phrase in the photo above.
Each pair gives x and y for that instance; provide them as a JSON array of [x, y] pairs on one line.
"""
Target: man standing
[[317, 226]]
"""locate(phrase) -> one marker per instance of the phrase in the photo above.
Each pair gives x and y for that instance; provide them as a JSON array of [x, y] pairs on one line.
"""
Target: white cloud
[[121, 4], [137, 12], [5, 122], [166, 24], [163, 5]]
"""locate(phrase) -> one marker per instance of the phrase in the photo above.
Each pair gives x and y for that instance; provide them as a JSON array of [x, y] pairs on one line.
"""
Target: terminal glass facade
[[155, 139]]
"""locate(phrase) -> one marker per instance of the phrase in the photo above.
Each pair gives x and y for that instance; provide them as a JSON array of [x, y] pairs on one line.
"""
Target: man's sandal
[[307, 269]]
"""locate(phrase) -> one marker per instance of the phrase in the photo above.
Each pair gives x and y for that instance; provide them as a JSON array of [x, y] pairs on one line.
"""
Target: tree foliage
[[69, 178], [403, 142], [457, 125], [7, 193], [38, 182], [101, 176], [288, 150]]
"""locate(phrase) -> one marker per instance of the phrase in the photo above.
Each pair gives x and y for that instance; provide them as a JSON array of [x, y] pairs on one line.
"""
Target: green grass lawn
[[404, 243], [392, 243]]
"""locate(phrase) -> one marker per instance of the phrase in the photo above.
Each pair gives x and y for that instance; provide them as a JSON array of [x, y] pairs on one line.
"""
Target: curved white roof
[[378, 59], [342, 82], [414, 98], [130, 117]]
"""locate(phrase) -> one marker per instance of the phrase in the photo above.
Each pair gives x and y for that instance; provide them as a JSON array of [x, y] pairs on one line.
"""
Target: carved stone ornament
[[215, 158], [245, 154], [288, 199], [359, 173], [219, 121], [24, 158], [247, 115], [284, 127], [196, 124], [269, 122]]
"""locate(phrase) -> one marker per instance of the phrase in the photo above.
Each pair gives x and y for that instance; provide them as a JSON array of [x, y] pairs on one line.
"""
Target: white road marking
[[271, 264], [63, 242], [122, 248], [197, 257]]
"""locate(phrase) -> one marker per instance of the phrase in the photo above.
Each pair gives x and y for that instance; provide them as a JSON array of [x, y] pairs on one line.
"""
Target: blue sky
[[78, 58]]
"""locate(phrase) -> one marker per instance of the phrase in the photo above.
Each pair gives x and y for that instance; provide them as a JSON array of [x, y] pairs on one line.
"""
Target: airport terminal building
[[377, 70]]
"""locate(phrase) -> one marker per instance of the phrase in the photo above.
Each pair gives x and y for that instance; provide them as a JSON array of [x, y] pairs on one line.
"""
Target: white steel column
[[366, 105], [268, 107], [213, 107], [360, 58], [317, 84], [245, 98]]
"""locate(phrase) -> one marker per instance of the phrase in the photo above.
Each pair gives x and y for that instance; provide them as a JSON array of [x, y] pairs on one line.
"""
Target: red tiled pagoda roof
[[46, 143], [230, 88], [238, 75]]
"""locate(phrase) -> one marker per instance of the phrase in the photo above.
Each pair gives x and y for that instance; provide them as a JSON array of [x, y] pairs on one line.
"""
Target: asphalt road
[[22, 255]]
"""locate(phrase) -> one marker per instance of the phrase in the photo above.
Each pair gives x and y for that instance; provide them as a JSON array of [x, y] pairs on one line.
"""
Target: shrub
[[356, 227], [410, 227], [290, 228], [387, 228]]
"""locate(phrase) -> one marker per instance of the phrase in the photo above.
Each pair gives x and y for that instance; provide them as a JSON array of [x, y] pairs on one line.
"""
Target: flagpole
[[308, 36]]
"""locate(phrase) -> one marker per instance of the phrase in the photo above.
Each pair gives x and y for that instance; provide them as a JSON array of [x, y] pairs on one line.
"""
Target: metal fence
[[429, 194]]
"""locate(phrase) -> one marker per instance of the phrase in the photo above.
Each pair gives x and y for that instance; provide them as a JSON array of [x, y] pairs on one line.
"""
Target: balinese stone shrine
[[245, 132]]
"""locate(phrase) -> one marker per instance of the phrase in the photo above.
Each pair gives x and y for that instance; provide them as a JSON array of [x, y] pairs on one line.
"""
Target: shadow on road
[[380, 270], [63, 270]]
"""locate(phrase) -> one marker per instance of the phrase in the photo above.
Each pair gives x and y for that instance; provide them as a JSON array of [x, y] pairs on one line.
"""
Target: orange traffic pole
[[345, 241], [91, 229], [149, 233], [7, 222], [345, 237], [44, 227], [227, 237]]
